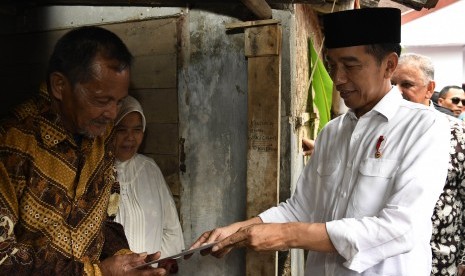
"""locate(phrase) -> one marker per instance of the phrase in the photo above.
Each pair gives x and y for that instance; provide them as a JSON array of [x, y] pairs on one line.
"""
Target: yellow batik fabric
[[54, 199]]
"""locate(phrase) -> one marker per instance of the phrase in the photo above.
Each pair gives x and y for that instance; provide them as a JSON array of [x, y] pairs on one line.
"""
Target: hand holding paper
[[176, 256], [221, 236]]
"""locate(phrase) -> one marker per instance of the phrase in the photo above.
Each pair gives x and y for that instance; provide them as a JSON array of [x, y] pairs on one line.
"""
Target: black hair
[[75, 51], [435, 97], [380, 51], [445, 90]]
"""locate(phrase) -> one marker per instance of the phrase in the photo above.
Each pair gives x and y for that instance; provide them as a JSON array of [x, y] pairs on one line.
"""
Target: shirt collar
[[431, 105], [387, 106], [390, 103], [51, 131], [123, 164]]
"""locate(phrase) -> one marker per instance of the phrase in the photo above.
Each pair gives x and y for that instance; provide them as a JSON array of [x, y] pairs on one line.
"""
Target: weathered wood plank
[[263, 134], [161, 139], [262, 41], [160, 105], [264, 99], [154, 71], [149, 37]]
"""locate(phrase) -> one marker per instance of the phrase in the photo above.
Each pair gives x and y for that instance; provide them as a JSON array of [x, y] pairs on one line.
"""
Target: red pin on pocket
[[378, 153]]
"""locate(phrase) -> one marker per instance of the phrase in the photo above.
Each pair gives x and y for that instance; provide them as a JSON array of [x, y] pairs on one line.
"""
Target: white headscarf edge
[[130, 104]]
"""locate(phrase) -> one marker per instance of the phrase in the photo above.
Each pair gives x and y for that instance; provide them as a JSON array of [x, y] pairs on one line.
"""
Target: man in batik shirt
[[58, 192], [415, 78]]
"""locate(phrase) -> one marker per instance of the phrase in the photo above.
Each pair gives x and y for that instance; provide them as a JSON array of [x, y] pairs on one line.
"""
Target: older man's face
[[89, 108], [412, 83]]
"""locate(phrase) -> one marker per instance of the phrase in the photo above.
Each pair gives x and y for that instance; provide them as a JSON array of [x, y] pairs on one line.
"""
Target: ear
[[391, 65], [58, 83], [430, 89], [440, 101]]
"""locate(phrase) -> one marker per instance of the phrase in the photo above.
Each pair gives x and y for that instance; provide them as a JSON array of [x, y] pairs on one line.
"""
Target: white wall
[[449, 63], [463, 62], [445, 26]]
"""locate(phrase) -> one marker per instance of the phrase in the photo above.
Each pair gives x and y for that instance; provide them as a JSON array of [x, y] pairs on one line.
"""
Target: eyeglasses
[[456, 100]]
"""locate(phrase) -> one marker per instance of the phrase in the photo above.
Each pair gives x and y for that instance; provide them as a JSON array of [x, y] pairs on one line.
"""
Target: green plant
[[320, 89]]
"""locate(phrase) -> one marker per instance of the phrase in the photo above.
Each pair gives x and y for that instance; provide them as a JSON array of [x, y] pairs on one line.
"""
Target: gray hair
[[423, 62]]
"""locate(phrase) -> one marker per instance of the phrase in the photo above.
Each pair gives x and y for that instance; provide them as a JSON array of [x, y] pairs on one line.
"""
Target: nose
[[130, 135], [112, 110], [339, 76]]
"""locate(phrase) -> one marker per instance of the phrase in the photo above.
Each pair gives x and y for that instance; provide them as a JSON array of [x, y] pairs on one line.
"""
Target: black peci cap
[[361, 27]]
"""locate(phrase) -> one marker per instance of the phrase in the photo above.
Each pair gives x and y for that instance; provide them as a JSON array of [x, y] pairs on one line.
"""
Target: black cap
[[361, 27]]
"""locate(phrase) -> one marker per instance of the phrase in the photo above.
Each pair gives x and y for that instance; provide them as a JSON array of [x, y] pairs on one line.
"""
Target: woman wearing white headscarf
[[146, 210]]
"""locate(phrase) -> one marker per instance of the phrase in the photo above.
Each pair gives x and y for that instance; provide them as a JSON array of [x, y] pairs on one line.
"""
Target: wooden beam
[[259, 7], [242, 25], [339, 6]]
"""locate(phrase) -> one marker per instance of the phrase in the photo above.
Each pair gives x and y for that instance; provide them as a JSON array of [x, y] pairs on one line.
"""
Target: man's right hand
[[123, 264], [220, 234]]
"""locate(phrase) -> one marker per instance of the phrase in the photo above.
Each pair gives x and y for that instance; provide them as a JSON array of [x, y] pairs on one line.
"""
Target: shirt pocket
[[374, 184], [327, 174]]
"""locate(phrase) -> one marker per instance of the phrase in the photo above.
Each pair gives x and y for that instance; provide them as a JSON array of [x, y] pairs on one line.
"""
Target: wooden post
[[263, 50]]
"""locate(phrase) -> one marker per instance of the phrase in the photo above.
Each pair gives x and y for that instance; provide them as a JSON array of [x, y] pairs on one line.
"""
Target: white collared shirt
[[377, 210], [147, 210]]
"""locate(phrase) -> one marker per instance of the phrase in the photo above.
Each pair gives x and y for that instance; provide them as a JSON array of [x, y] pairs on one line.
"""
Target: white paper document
[[177, 256]]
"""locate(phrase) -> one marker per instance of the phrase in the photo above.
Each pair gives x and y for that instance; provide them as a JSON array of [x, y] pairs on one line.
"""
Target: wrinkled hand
[[307, 146], [123, 264], [170, 265], [213, 236], [259, 237]]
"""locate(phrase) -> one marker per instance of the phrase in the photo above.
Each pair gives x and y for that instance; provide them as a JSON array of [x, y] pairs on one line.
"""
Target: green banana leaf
[[321, 88]]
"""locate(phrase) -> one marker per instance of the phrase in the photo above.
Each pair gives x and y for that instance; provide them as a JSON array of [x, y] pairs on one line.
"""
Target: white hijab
[[130, 104]]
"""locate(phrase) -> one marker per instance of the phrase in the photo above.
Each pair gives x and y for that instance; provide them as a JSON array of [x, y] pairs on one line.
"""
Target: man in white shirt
[[363, 203]]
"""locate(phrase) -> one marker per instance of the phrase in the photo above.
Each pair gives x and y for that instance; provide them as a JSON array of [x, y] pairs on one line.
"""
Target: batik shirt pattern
[[57, 198], [447, 240]]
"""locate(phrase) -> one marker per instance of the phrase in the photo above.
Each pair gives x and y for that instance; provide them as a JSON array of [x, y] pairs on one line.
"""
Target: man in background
[[434, 101], [452, 97], [414, 77]]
